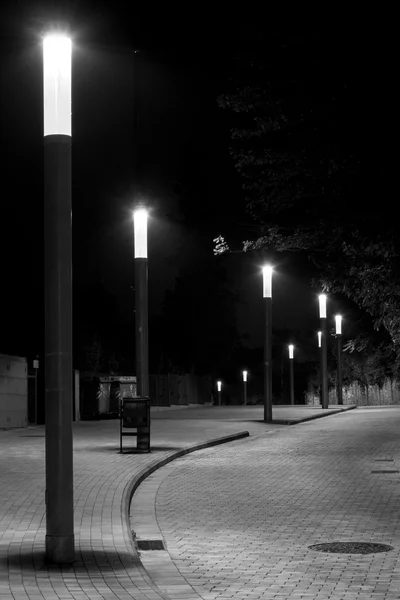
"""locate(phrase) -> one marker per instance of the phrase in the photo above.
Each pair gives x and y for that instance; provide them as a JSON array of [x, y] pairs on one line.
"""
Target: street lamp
[[324, 357], [140, 217], [320, 364], [219, 387], [267, 294], [245, 387], [59, 544], [338, 322], [291, 348]]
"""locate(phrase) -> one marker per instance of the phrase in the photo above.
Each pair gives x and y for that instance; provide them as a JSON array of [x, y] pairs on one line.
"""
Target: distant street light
[[291, 348], [140, 217], [324, 358], [338, 321], [245, 387], [60, 543], [219, 387], [267, 294]]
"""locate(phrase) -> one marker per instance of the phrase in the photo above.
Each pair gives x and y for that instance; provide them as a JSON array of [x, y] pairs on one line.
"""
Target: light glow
[[319, 339], [267, 281], [57, 50], [322, 306], [245, 376], [338, 321], [140, 232], [219, 385], [291, 349]]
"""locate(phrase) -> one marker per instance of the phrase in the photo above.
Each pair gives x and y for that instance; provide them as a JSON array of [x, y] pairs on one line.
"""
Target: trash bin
[[135, 414]]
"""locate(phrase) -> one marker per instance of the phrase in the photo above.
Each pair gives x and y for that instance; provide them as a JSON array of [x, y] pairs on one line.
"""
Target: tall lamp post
[[267, 294], [245, 387], [140, 216], [291, 349], [219, 387], [324, 357], [320, 364], [338, 322], [59, 544]]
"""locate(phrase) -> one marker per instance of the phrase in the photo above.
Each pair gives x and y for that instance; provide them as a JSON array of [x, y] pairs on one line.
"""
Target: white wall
[[13, 391]]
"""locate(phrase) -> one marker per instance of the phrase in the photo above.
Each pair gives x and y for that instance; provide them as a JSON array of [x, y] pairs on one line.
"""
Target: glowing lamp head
[[219, 385], [267, 281], [57, 50], [319, 339], [245, 376], [140, 217], [322, 306], [338, 321], [291, 350]]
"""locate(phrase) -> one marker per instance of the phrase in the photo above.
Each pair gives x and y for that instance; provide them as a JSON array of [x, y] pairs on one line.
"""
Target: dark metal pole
[[141, 326], [245, 392], [291, 381], [339, 369], [268, 362], [58, 349], [36, 402], [320, 372], [324, 359]]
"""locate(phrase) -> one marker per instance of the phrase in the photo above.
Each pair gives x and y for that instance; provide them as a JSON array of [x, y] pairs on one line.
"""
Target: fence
[[355, 393], [174, 389], [98, 394]]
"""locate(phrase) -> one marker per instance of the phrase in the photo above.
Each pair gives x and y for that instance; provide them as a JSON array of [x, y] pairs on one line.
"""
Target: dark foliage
[[312, 146]]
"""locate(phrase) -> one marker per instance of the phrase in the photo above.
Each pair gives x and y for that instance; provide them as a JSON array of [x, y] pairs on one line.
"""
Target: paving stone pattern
[[237, 521], [106, 565]]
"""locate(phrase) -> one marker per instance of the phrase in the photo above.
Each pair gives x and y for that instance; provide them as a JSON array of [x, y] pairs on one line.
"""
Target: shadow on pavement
[[127, 450], [165, 448], [87, 561]]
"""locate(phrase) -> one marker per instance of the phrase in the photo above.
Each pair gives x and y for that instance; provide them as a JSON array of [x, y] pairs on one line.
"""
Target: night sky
[[175, 156]]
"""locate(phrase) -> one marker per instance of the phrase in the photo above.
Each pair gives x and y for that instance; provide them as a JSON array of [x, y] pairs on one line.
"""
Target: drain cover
[[150, 544], [351, 547], [386, 471]]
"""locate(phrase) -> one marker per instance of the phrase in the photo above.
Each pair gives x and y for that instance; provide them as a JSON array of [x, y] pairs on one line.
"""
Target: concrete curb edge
[[312, 417], [148, 470]]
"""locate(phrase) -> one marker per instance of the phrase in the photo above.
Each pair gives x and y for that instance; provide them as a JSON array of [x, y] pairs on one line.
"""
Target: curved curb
[[312, 417], [148, 470]]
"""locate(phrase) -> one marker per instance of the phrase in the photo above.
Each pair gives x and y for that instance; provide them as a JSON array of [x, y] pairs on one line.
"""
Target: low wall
[[13, 391]]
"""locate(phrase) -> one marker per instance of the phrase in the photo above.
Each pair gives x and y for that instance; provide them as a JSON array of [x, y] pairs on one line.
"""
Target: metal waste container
[[135, 414]]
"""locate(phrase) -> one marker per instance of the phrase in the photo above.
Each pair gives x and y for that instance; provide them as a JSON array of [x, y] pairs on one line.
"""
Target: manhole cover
[[150, 544], [351, 547]]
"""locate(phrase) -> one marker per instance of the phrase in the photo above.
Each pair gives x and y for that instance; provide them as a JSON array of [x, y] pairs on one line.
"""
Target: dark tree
[[311, 141]]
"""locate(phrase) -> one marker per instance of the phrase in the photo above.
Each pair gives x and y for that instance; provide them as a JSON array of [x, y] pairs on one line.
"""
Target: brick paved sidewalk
[[237, 522], [106, 564]]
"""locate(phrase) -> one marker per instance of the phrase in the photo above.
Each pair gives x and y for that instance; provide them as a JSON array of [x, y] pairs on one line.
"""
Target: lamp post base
[[60, 549]]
